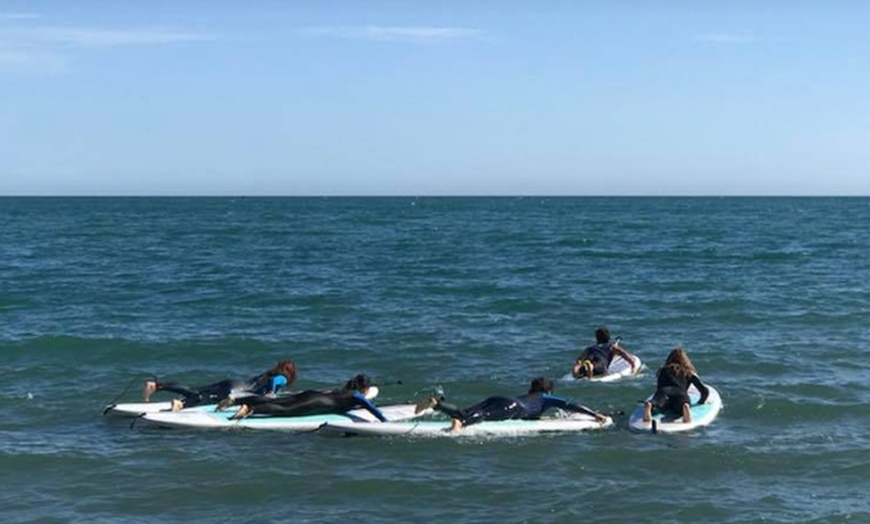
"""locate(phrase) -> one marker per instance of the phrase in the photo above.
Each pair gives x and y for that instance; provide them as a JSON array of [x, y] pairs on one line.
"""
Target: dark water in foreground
[[769, 295]]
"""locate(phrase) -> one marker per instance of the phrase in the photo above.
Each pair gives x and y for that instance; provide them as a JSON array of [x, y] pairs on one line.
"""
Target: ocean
[[769, 296]]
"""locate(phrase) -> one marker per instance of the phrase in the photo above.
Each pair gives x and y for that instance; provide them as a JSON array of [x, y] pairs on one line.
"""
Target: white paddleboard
[[136, 409], [619, 368], [702, 414], [441, 428], [211, 419]]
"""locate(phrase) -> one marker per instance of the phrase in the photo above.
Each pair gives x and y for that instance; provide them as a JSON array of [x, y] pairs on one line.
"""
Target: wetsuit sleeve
[[366, 403], [277, 382], [696, 381], [559, 402]]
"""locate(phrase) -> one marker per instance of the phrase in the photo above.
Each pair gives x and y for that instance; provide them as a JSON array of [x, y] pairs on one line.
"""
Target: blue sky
[[435, 98]]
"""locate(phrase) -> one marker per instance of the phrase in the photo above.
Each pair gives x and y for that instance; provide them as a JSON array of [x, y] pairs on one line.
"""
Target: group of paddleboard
[[680, 402]]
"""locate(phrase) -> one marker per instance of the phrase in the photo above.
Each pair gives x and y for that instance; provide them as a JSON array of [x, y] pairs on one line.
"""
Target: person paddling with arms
[[672, 387], [312, 402], [594, 360], [267, 383], [530, 406]]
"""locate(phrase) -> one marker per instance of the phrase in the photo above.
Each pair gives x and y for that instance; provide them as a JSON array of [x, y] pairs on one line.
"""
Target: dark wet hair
[[358, 383], [602, 335], [541, 385], [286, 368], [679, 363]]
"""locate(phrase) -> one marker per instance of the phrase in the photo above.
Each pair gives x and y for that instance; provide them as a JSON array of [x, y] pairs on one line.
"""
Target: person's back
[[672, 387], [595, 359]]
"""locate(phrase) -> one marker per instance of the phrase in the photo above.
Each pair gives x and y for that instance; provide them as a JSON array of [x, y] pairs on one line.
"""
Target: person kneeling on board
[[312, 402], [266, 384], [526, 407], [672, 387], [595, 360]]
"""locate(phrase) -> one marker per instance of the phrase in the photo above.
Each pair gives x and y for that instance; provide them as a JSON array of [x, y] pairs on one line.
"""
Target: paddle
[[114, 402]]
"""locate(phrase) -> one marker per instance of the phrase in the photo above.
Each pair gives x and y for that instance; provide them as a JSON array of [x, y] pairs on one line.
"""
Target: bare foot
[[647, 411], [243, 412], [456, 426], [148, 389], [426, 403], [687, 413], [177, 405]]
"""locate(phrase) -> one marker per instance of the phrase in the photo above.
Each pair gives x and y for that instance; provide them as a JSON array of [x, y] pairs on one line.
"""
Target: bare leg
[[687, 413], [647, 411], [148, 389], [456, 426], [177, 405]]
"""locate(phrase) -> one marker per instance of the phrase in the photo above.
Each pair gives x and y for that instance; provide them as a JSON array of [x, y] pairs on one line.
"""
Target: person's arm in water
[[705, 392], [551, 401], [617, 350], [367, 404]]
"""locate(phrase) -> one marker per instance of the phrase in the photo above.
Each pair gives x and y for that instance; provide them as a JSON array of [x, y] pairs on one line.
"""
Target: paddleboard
[[702, 414], [441, 428], [136, 409], [619, 368], [211, 419]]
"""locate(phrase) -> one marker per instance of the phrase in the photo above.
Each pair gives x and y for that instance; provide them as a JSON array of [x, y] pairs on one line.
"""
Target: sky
[[420, 98]]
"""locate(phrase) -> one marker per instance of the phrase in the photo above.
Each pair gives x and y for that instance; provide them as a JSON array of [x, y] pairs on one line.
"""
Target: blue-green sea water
[[770, 296]]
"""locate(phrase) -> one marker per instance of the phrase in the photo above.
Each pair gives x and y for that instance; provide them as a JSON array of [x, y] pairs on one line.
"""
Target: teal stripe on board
[[476, 295]]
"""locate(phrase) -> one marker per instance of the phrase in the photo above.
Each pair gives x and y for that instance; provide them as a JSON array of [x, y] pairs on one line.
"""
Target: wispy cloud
[[87, 37], [19, 16], [396, 33], [726, 38], [51, 49]]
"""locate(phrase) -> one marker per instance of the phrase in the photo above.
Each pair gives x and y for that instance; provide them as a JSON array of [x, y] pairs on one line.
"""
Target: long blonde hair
[[679, 363]]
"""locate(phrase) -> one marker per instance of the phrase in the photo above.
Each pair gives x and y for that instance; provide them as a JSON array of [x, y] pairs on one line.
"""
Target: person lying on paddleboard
[[595, 360], [527, 407], [672, 387], [267, 383], [312, 402]]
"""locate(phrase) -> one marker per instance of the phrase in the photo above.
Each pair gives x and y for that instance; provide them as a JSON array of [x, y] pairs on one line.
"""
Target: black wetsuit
[[212, 393], [600, 355], [311, 402], [526, 407], [672, 391]]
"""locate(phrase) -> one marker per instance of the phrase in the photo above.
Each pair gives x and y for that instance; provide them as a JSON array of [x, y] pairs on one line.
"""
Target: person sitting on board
[[672, 387], [267, 383], [595, 360], [526, 407], [312, 402]]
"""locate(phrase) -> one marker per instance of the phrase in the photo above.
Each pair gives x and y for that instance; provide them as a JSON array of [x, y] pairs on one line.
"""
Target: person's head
[[358, 383], [679, 361], [602, 335], [286, 368], [541, 385]]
